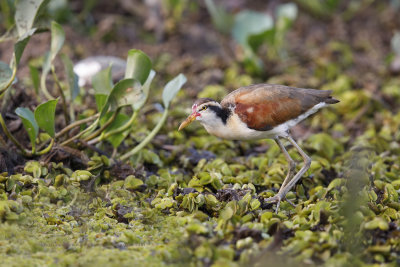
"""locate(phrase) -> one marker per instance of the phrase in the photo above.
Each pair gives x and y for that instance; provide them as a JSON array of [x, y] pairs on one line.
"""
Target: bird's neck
[[221, 113], [218, 125]]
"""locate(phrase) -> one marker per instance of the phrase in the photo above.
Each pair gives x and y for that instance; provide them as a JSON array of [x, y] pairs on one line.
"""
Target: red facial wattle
[[194, 111]]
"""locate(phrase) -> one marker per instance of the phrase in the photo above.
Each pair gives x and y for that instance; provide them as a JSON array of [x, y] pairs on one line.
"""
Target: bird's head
[[204, 110]]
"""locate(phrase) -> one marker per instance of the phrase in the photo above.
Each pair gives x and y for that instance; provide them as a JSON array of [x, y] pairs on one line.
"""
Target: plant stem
[[71, 111], [6, 98], [75, 124], [69, 127], [63, 100], [44, 88], [94, 141], [147, 139], [46, 150], [105, 125], [120, 129], [12, 138], [88, 129], [106, 135]]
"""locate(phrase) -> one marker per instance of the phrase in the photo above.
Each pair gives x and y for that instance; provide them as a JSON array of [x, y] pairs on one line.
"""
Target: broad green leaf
[[137, 104], [172, 88], [220, 17], [138, 66], [45, 114], [102, 85], [57, 39], [101, 100], [122, 94], [72, 78], [249, 23], [254, 41], [25, 13], [128, 91], [5, 74], [20, 45], [102, 81], [35, 77], [30, 125], [119, 120], [18, 50]]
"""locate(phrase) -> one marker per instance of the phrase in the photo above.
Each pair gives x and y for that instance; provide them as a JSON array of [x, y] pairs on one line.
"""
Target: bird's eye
[[203, 107]]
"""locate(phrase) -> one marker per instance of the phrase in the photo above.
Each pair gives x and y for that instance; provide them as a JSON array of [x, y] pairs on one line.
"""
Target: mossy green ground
[[200, 201]]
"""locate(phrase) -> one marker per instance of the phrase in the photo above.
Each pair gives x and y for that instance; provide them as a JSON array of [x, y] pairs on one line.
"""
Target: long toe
[[290, 202], [275, 199]]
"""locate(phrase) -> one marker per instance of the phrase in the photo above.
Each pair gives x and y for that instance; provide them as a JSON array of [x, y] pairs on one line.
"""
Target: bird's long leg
[[307, 164], [289, 185], [291, 163]]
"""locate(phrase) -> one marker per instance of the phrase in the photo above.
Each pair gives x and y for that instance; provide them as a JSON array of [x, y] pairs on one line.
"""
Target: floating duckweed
[[244, 243], [35, 168], [163, 203], [213, 202], [59, 180], [80, 175], [132, 183], [376, 223]]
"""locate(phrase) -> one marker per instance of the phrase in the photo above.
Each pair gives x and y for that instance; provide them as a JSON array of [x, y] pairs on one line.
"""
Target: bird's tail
[[331, 100], [325, 96]]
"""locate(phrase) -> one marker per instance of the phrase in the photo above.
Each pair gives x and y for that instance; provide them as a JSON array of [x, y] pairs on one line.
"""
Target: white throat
[[234, 129]]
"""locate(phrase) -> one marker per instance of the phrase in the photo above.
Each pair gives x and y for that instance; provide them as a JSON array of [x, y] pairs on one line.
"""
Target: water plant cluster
[[115, 184]]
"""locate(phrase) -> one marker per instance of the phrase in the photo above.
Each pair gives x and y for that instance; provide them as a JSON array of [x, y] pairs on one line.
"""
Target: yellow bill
[[188, 121]]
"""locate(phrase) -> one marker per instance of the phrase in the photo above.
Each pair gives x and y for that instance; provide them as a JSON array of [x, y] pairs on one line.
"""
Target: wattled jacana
[[262, 111]]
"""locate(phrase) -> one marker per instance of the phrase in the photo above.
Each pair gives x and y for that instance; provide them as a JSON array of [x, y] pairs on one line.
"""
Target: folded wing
[[264, 106]]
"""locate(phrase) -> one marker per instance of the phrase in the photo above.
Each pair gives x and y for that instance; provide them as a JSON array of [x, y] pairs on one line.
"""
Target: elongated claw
[[290, 202], [275, 199]]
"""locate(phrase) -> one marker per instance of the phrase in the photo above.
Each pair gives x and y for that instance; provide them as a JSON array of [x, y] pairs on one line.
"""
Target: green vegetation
[[112, 125], [102, 177]]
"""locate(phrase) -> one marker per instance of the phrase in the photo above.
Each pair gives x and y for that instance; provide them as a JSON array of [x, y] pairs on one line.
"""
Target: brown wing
[[264, 106]]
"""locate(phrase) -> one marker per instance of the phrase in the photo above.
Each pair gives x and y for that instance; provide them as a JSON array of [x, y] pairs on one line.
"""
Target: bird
[[262, 111]]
